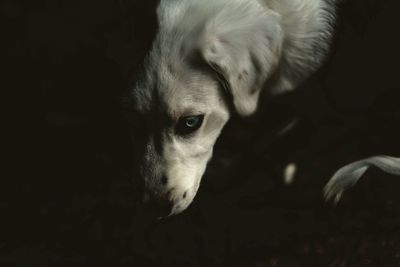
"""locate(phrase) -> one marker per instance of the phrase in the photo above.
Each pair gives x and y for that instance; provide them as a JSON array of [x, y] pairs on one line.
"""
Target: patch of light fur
[[289, 173], [181, 170]]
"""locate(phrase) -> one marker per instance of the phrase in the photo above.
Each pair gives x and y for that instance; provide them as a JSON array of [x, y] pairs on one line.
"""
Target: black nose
[[159, 207]]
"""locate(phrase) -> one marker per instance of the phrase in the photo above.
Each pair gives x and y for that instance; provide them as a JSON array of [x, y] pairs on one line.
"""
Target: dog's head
[[209, 58]]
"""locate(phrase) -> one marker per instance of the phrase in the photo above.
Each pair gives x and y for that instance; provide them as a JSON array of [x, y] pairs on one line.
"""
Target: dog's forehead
[[173, 80], [173, 88]]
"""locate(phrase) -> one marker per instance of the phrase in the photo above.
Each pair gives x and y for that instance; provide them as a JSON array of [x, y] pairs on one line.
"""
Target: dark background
[[68, 200]]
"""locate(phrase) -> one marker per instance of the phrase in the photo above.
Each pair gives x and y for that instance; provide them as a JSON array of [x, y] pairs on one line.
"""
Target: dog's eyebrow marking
[[188, 110], [192, 111]]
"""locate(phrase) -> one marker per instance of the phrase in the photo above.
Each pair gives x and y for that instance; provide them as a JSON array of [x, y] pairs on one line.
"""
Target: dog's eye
[[189, 124]]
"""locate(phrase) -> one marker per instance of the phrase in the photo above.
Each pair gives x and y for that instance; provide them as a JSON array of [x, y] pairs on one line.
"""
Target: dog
[[210, 59]]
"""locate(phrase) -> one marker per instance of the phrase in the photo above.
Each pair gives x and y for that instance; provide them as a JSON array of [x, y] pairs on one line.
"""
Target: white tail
[[348, 175]]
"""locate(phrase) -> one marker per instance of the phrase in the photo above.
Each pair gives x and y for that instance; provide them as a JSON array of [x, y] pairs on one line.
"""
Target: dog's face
[[208, 56], [179, 111]]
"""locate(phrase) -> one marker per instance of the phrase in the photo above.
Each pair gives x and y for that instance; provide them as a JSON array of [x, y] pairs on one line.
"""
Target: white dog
[[211, 58]]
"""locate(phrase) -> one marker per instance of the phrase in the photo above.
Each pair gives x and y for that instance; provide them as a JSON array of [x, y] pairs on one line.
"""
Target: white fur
[[348, 175], [206, 50]]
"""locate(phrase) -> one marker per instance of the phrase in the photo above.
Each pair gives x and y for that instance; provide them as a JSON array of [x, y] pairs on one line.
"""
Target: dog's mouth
[[158, 210], [160, 206]]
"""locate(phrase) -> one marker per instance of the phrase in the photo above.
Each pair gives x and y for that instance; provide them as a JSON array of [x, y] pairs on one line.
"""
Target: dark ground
[[68, 200]]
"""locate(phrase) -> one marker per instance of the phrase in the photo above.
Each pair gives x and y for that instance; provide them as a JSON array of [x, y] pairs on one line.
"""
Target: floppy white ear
[[244, 49]]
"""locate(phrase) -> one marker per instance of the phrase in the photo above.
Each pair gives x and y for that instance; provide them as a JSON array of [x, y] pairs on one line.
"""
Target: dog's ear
[[244, 50]]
